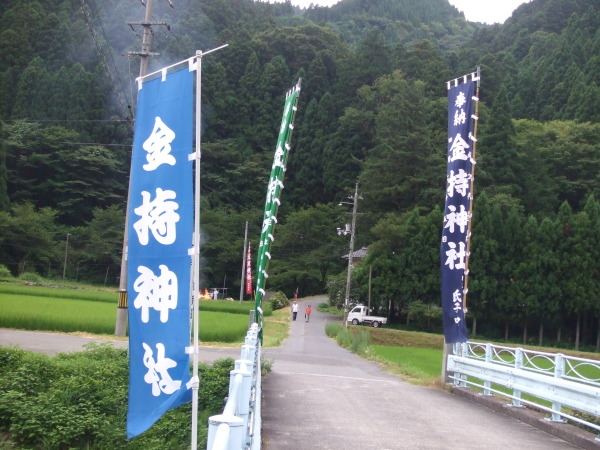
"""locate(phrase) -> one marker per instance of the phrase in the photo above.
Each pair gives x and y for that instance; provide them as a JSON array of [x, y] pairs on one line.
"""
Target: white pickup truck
[[359, 315]]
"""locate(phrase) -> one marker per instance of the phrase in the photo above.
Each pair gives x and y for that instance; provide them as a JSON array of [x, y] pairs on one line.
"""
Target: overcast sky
[[487, 11]]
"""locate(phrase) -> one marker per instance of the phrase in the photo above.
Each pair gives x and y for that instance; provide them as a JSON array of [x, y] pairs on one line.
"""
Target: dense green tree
[[250, 102], [498, 168], [344, 151], [222, 247], [4, 198], [592, 238], [482, 284], [98, 245], [307, 158], [569, 277], [506, 220], [357, 121], [424, 63], [28, 238], [396, 172], [33, 91], [387, 262], [306, 250], [49, 167]]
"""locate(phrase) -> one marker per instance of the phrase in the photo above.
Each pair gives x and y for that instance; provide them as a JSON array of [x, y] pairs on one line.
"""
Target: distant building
[[357, 255]]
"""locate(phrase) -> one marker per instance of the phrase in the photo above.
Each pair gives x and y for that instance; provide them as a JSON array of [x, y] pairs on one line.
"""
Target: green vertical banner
[[273, 193]]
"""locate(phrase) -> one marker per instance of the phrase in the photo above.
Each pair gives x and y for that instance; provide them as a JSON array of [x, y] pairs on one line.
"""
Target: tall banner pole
[[454, 249], [272, 201], [197, 156], [196, 261], [470, 224], [244, 264]]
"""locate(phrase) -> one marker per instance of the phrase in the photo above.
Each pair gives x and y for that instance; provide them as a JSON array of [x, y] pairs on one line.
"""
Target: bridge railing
[[560, 380], [238, 427]]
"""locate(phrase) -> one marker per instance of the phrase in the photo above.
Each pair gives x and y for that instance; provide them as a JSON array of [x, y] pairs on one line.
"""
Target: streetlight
[[349, 229]]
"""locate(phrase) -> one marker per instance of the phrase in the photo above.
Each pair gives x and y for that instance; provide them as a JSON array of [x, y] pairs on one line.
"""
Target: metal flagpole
[[244, 257], [196, 260]]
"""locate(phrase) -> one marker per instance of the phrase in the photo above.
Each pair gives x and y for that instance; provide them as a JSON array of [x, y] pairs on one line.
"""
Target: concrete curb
[[535, 418]]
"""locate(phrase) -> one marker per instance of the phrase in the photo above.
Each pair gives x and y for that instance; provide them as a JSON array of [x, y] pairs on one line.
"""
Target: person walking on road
[[307, 312], [294, 310]]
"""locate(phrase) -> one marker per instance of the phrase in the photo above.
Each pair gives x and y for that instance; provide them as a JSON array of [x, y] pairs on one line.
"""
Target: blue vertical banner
[[161, 225], [457, 212]]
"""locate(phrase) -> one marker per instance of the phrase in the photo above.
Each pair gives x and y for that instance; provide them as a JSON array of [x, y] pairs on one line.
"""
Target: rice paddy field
[[87, 311], [422, 363]]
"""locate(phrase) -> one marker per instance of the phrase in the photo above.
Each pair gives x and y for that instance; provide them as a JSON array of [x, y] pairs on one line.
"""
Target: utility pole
[[66, 253], [121, 323], [352, 232], [370, 277]]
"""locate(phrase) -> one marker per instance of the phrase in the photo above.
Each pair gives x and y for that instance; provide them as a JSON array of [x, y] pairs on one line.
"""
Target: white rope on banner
[[191, 62], [465, 78], [164, 71]]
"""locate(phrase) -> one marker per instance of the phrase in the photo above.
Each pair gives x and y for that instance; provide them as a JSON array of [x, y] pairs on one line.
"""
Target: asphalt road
[[54, 343], [321, 396]]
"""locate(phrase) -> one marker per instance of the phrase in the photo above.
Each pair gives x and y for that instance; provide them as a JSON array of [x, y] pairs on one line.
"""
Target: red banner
[[248, 273]]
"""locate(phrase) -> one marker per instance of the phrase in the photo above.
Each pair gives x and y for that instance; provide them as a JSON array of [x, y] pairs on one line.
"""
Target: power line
[[110, 53], [121, 97], [64, 120], [94, 143]]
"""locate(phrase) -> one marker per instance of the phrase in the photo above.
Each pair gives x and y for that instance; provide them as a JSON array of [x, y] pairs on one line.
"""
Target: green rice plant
[[415, 362], [233, 307], [50, 292], [68, 315], [222, 327], [56, 314]]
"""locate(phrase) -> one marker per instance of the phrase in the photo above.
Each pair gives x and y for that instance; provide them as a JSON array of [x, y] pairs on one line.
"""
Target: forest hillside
[[372, 111]]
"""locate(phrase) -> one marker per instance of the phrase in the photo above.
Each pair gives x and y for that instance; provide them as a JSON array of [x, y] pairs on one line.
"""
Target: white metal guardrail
[[238, 427], [559, 379]]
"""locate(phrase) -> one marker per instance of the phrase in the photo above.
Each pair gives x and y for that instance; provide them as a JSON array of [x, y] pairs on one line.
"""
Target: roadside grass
[[417, 356], [276, 327]]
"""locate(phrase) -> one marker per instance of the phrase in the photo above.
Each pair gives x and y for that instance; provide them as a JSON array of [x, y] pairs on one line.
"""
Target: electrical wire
[[119, 94]]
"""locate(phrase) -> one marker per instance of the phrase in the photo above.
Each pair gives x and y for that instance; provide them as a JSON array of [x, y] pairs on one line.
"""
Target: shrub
[[30, 277], [279, 300], [79, 400], [5, 272], [427, 317], [357, 341]]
